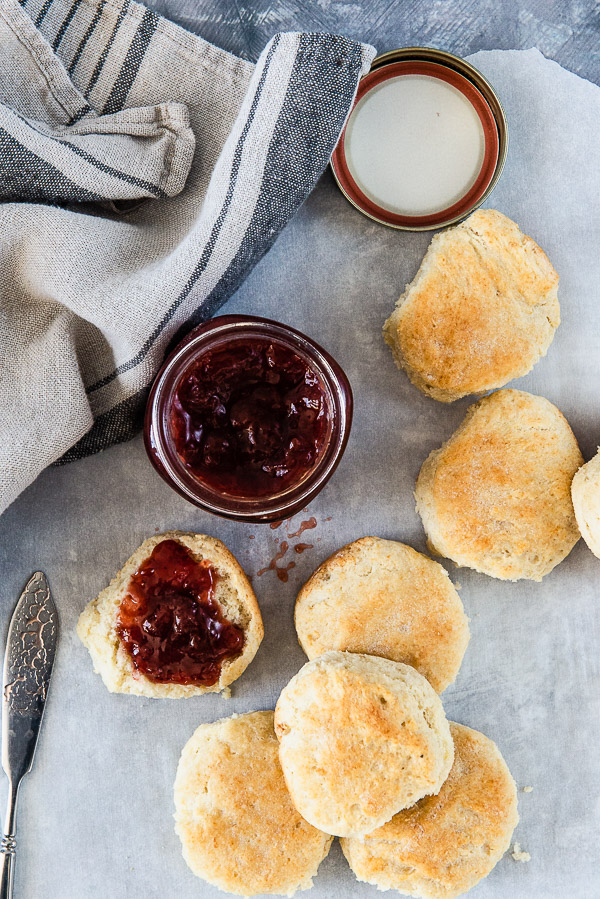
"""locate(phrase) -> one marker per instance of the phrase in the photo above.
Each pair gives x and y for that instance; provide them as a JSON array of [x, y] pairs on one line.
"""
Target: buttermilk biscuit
[[97, 626], [445, 844], [585, 491], [234, 816], [496, 496], [360, 738], [383, 598], [481, 310]]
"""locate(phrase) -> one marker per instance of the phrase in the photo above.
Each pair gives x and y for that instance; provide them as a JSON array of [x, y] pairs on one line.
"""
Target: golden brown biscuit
[[234, 816], [496, 496], [445, 844], [97, 626], [360, 738], [385, 599], [481, 310], [585, 492]]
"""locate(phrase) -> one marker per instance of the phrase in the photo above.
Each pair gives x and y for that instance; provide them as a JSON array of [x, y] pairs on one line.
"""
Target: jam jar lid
[[425, 142], [176, 441]]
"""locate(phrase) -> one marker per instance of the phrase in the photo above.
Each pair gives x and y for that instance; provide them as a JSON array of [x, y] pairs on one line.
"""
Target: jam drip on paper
[[282, 573], [170, 622], [250, 419]]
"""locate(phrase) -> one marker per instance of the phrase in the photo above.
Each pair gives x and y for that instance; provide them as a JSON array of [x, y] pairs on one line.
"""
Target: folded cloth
[[106, 250], [132, 154]]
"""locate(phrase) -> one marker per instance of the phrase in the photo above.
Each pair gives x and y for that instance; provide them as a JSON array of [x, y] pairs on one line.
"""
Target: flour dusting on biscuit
[[360, 738], [496, 496], [445, 844], [383, 598], [481, 310], [238, 827]]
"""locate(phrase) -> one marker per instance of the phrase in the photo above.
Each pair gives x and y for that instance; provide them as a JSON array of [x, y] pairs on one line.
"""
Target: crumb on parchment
[[527, 789], [519, 855]]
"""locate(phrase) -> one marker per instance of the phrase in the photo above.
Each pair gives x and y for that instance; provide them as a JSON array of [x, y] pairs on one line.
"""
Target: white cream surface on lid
[[414, 145]]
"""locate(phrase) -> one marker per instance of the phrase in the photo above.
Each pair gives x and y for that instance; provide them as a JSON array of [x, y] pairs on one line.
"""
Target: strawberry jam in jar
[[248, 418]]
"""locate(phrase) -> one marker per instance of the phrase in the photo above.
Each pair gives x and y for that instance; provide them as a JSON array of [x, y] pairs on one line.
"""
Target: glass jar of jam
[[248, 418]]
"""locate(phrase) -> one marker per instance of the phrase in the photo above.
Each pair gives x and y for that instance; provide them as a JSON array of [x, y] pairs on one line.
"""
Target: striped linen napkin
[[143, 173]]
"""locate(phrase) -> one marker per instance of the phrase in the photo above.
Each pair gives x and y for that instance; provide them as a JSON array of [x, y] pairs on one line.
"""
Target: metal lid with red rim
[[458, 83]]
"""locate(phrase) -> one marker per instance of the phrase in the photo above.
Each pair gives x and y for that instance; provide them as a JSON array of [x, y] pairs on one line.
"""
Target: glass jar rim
[[168, 464]]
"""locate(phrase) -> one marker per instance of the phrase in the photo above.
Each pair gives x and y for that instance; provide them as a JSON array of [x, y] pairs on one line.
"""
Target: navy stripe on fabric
[[115, 426], [133, 60], [292, 171], [210, 245], [97, 163], [81, 113], [109, 170], [26, 177], [65, 24], [86, 37], [106, 50], [43, 13]]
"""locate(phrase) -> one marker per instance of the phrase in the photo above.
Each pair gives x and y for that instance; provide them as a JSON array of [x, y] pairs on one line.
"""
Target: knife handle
[[7, 867], [8, 847]]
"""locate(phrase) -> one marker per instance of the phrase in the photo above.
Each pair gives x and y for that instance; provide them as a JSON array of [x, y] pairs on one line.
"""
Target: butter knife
[[30, 648]]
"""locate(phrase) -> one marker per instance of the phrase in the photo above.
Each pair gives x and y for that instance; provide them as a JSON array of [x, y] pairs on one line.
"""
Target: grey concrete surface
[[567, 31]]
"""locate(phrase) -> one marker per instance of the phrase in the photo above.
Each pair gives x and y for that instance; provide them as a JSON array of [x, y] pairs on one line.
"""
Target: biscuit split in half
[[585, 492], [496, 496], [383, 598], [445, 844], [238, 828], [360, 737], [481, 310], [98, 626]]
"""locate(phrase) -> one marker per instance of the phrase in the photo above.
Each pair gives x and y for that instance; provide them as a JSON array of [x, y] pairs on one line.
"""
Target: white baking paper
[[96, 812]]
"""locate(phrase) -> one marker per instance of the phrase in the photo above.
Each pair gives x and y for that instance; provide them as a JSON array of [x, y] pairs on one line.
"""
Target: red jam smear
[[250, 419], [170, 622]]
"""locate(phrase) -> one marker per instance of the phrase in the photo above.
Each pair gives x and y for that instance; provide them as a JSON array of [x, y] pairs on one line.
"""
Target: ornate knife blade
[[30, 649]]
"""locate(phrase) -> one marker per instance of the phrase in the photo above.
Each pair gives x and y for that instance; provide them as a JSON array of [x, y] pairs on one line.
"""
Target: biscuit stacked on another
[[365, 750], [382, 596], [360, 738], [481, 310]]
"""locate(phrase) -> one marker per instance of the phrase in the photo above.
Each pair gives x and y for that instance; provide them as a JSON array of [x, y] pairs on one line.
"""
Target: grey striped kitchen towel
[[143, 173]]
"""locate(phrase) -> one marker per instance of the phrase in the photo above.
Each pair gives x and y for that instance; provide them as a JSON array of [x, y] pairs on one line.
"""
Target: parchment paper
[[96, 812]]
